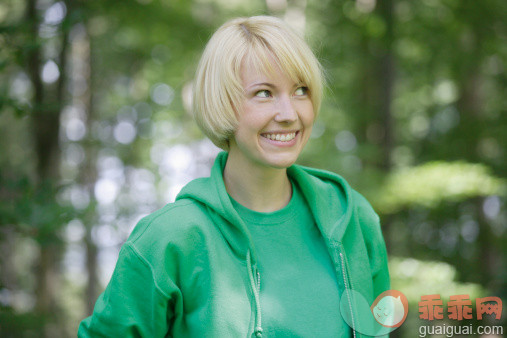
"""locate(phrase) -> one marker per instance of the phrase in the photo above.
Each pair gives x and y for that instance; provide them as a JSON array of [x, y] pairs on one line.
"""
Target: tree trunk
[[88, 174], [386, 74], [387, 78], [45, 126]]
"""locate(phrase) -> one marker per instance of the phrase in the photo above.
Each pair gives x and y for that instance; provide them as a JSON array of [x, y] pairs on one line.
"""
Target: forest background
[[96, 132]]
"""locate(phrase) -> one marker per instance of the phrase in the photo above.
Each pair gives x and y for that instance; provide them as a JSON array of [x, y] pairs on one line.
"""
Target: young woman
[[262, 247]]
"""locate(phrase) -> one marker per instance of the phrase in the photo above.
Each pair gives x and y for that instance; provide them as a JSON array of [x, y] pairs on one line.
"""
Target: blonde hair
[[217, 89]]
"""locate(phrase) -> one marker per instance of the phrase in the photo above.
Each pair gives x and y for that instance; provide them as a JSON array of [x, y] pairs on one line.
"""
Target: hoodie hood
[[211, 192], [330, 204]]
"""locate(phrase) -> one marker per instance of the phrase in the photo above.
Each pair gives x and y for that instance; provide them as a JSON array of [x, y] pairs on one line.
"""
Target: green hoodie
[[189, 269]]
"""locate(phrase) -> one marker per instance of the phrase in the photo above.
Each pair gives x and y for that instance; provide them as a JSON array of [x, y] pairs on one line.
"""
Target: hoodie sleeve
[[133, 305], [375, 245]]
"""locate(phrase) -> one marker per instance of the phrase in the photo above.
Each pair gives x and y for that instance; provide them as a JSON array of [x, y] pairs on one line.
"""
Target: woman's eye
[[263, 93], [301, 91]]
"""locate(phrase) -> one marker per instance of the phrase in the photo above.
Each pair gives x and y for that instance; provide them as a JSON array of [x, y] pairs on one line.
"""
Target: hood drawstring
[[256, 287]]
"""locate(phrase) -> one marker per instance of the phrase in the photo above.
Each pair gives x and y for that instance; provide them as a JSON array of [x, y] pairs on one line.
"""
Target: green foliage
[[416, 278], [34, 211], [432, 183], [15, 325]]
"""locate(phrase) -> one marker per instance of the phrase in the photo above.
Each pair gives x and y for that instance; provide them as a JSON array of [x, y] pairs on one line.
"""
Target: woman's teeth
[[280, 137]]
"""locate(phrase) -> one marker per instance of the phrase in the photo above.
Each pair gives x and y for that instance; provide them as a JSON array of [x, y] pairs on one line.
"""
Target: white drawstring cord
[[256, 290]]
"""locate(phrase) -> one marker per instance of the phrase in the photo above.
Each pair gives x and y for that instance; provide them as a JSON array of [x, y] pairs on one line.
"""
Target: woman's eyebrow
[[267, 84]]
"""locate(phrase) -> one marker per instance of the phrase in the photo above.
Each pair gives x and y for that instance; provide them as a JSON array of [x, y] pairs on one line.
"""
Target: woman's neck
[[257, 187]]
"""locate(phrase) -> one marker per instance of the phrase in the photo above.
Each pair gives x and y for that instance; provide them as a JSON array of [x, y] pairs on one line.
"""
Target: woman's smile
[[281, 139]]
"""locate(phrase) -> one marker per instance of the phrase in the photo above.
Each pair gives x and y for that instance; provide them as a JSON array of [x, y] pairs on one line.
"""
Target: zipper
[[345, 281], [255, 284]]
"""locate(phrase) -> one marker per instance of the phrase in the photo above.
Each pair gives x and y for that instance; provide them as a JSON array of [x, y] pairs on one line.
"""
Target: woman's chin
[[280, 161]]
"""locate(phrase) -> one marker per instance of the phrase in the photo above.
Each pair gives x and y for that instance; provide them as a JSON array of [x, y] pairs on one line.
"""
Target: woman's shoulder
[[176, 223], [365, 211]]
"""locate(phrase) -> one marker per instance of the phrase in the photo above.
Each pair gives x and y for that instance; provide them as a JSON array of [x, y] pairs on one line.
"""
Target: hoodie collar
[[211, 192], [329, 197], [330, 204]]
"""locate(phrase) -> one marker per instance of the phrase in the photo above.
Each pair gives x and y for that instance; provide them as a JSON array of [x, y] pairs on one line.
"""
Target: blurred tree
[[36, 212]]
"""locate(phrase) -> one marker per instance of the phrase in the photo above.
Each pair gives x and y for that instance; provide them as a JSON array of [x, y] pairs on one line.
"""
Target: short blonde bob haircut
[[218, 91]]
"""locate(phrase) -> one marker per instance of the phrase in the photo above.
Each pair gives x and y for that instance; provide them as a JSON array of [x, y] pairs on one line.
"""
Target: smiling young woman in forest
[[262, 247]]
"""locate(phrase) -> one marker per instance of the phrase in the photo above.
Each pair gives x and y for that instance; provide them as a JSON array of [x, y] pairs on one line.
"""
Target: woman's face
[[275, 121]]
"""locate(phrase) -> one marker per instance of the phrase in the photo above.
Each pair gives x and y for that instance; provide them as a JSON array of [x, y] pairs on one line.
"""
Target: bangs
[[261, 55]]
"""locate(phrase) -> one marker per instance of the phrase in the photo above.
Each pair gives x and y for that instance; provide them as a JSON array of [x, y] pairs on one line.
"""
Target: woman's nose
[[286, 112]]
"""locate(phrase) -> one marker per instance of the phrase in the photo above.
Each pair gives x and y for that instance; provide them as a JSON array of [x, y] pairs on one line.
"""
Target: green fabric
[[183, 271], [296, 269]]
